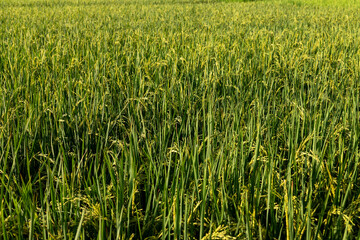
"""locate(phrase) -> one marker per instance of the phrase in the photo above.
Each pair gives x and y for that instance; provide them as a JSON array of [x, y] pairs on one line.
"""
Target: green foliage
[[321, 3], [174, 120]]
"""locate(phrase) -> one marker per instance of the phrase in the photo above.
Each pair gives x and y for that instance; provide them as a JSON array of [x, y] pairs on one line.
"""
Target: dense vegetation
[[186, 120]]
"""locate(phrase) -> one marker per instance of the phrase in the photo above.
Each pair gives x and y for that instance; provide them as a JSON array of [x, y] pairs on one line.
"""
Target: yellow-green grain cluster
[[179, 120]]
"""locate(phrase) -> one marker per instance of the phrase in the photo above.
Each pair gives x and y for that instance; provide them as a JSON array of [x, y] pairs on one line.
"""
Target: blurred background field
[[179, 119], [38, 3]]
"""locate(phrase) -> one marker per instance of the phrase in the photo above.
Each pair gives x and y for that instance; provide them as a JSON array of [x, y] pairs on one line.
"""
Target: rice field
[[175, 119]]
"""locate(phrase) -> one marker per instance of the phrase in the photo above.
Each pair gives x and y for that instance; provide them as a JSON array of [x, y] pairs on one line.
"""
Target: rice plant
[[179, 120]]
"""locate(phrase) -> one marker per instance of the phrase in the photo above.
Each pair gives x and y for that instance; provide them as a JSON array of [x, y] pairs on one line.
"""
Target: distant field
[[179, 120]]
